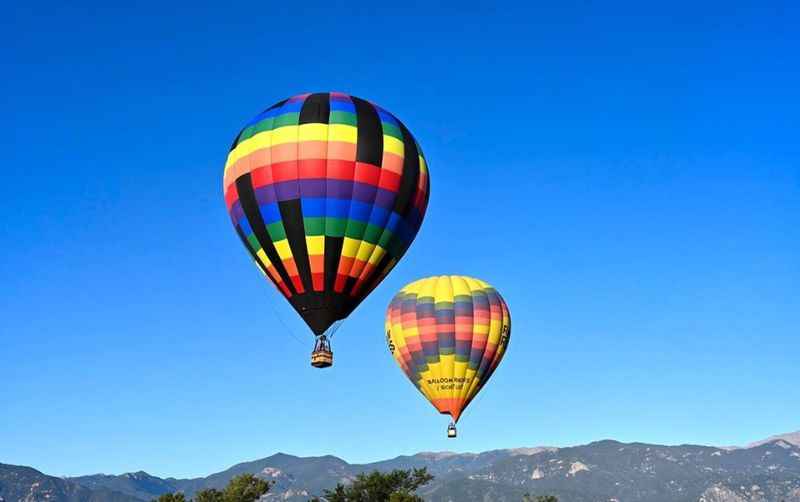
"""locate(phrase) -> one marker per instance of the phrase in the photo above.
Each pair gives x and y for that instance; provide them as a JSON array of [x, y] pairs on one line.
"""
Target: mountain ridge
[[604, 470]]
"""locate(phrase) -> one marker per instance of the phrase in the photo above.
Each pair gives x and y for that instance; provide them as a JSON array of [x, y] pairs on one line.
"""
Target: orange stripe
[[451, 406]]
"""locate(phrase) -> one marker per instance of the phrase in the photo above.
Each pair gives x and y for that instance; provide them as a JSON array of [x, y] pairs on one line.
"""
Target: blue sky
[[626, 175]]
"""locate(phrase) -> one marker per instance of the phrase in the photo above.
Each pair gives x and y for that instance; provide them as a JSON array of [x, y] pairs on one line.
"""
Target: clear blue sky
[[627, 176]]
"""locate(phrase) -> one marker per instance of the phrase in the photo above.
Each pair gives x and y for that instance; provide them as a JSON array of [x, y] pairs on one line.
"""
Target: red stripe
[[367, 173], [282, 287], [298, 284], [341, 169], [312, 168], [284, 171], [261, 176], [334, 169], [338, 286], [231, 196], [389, 181]]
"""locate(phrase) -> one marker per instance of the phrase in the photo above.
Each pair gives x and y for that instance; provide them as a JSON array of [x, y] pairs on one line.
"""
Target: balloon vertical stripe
[[249, 206]]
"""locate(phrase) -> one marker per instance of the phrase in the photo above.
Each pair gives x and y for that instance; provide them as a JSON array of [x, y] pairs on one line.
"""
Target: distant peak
[[438, 454], [137, 475], [793, 438]]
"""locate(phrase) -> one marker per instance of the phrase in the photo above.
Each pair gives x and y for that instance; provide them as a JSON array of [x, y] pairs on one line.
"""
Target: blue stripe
[[343, 106], [359, 211], [387, 117], [270, 213], [245, 226], [337, 208], [378, 216]]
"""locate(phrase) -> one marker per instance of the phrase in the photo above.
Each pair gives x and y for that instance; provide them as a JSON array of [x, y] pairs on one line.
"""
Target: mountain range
[[608, 471]]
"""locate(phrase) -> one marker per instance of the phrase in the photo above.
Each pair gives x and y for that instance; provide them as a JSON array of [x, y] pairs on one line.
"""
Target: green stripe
[[269, 124], [345, 227], [339, 117], [276, 231], [334, 227], [249, 132], [314, 226], [253, 241], [392, 130], [287, 119]]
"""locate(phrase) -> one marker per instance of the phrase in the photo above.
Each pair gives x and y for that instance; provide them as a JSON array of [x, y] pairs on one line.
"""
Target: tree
[[171, 497], [396, 486], [539, 498], [209, 495], [245, 488]]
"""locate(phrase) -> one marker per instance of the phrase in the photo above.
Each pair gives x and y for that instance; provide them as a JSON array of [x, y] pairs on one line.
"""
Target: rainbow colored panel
[[326, 191], [448, 334]]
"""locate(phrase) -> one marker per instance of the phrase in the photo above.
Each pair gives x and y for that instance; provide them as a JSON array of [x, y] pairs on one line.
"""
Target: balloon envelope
[[326, 192], [448, 334]]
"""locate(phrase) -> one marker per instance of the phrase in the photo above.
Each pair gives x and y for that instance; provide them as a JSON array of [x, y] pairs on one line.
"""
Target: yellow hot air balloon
[[448, 333]]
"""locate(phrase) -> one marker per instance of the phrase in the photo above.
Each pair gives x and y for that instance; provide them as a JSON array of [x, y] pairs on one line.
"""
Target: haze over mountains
[[606, 470]]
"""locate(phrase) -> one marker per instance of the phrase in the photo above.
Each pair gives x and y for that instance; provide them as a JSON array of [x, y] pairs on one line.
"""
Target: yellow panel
[[376, 255], [392, 144], [248, 146], [284, 251], [350, 247], [313, 132], [364, 251], [285, 134], [444, 289], [342, 132], [460, 286], [315, 244], [263, 257]]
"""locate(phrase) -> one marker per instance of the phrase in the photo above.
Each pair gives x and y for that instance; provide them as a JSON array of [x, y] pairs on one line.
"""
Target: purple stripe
[[236, 212], [333, 189]]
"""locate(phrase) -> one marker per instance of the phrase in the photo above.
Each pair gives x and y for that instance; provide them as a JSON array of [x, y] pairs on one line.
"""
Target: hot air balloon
[[326, 192], [448, 333]]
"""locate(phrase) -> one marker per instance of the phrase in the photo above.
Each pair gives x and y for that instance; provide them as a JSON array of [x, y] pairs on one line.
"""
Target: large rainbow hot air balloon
[[326, 191], [448, 333]]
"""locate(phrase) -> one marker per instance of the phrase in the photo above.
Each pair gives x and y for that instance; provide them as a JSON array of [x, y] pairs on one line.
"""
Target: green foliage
[[244, 488], [209, 495], [539, 498], [396, 486], [171, 497]]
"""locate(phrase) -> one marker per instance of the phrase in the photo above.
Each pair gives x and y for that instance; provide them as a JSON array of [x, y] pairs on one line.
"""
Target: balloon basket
[[322, 357], [451, 431]]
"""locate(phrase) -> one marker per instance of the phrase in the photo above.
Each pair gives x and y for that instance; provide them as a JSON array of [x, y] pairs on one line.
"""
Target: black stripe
[[410, 178], [369, 147], [292, 216], [236, 140], [276, 105], [349, 282], [247, 197], [252, 253], [316, 109], [333, 252]]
